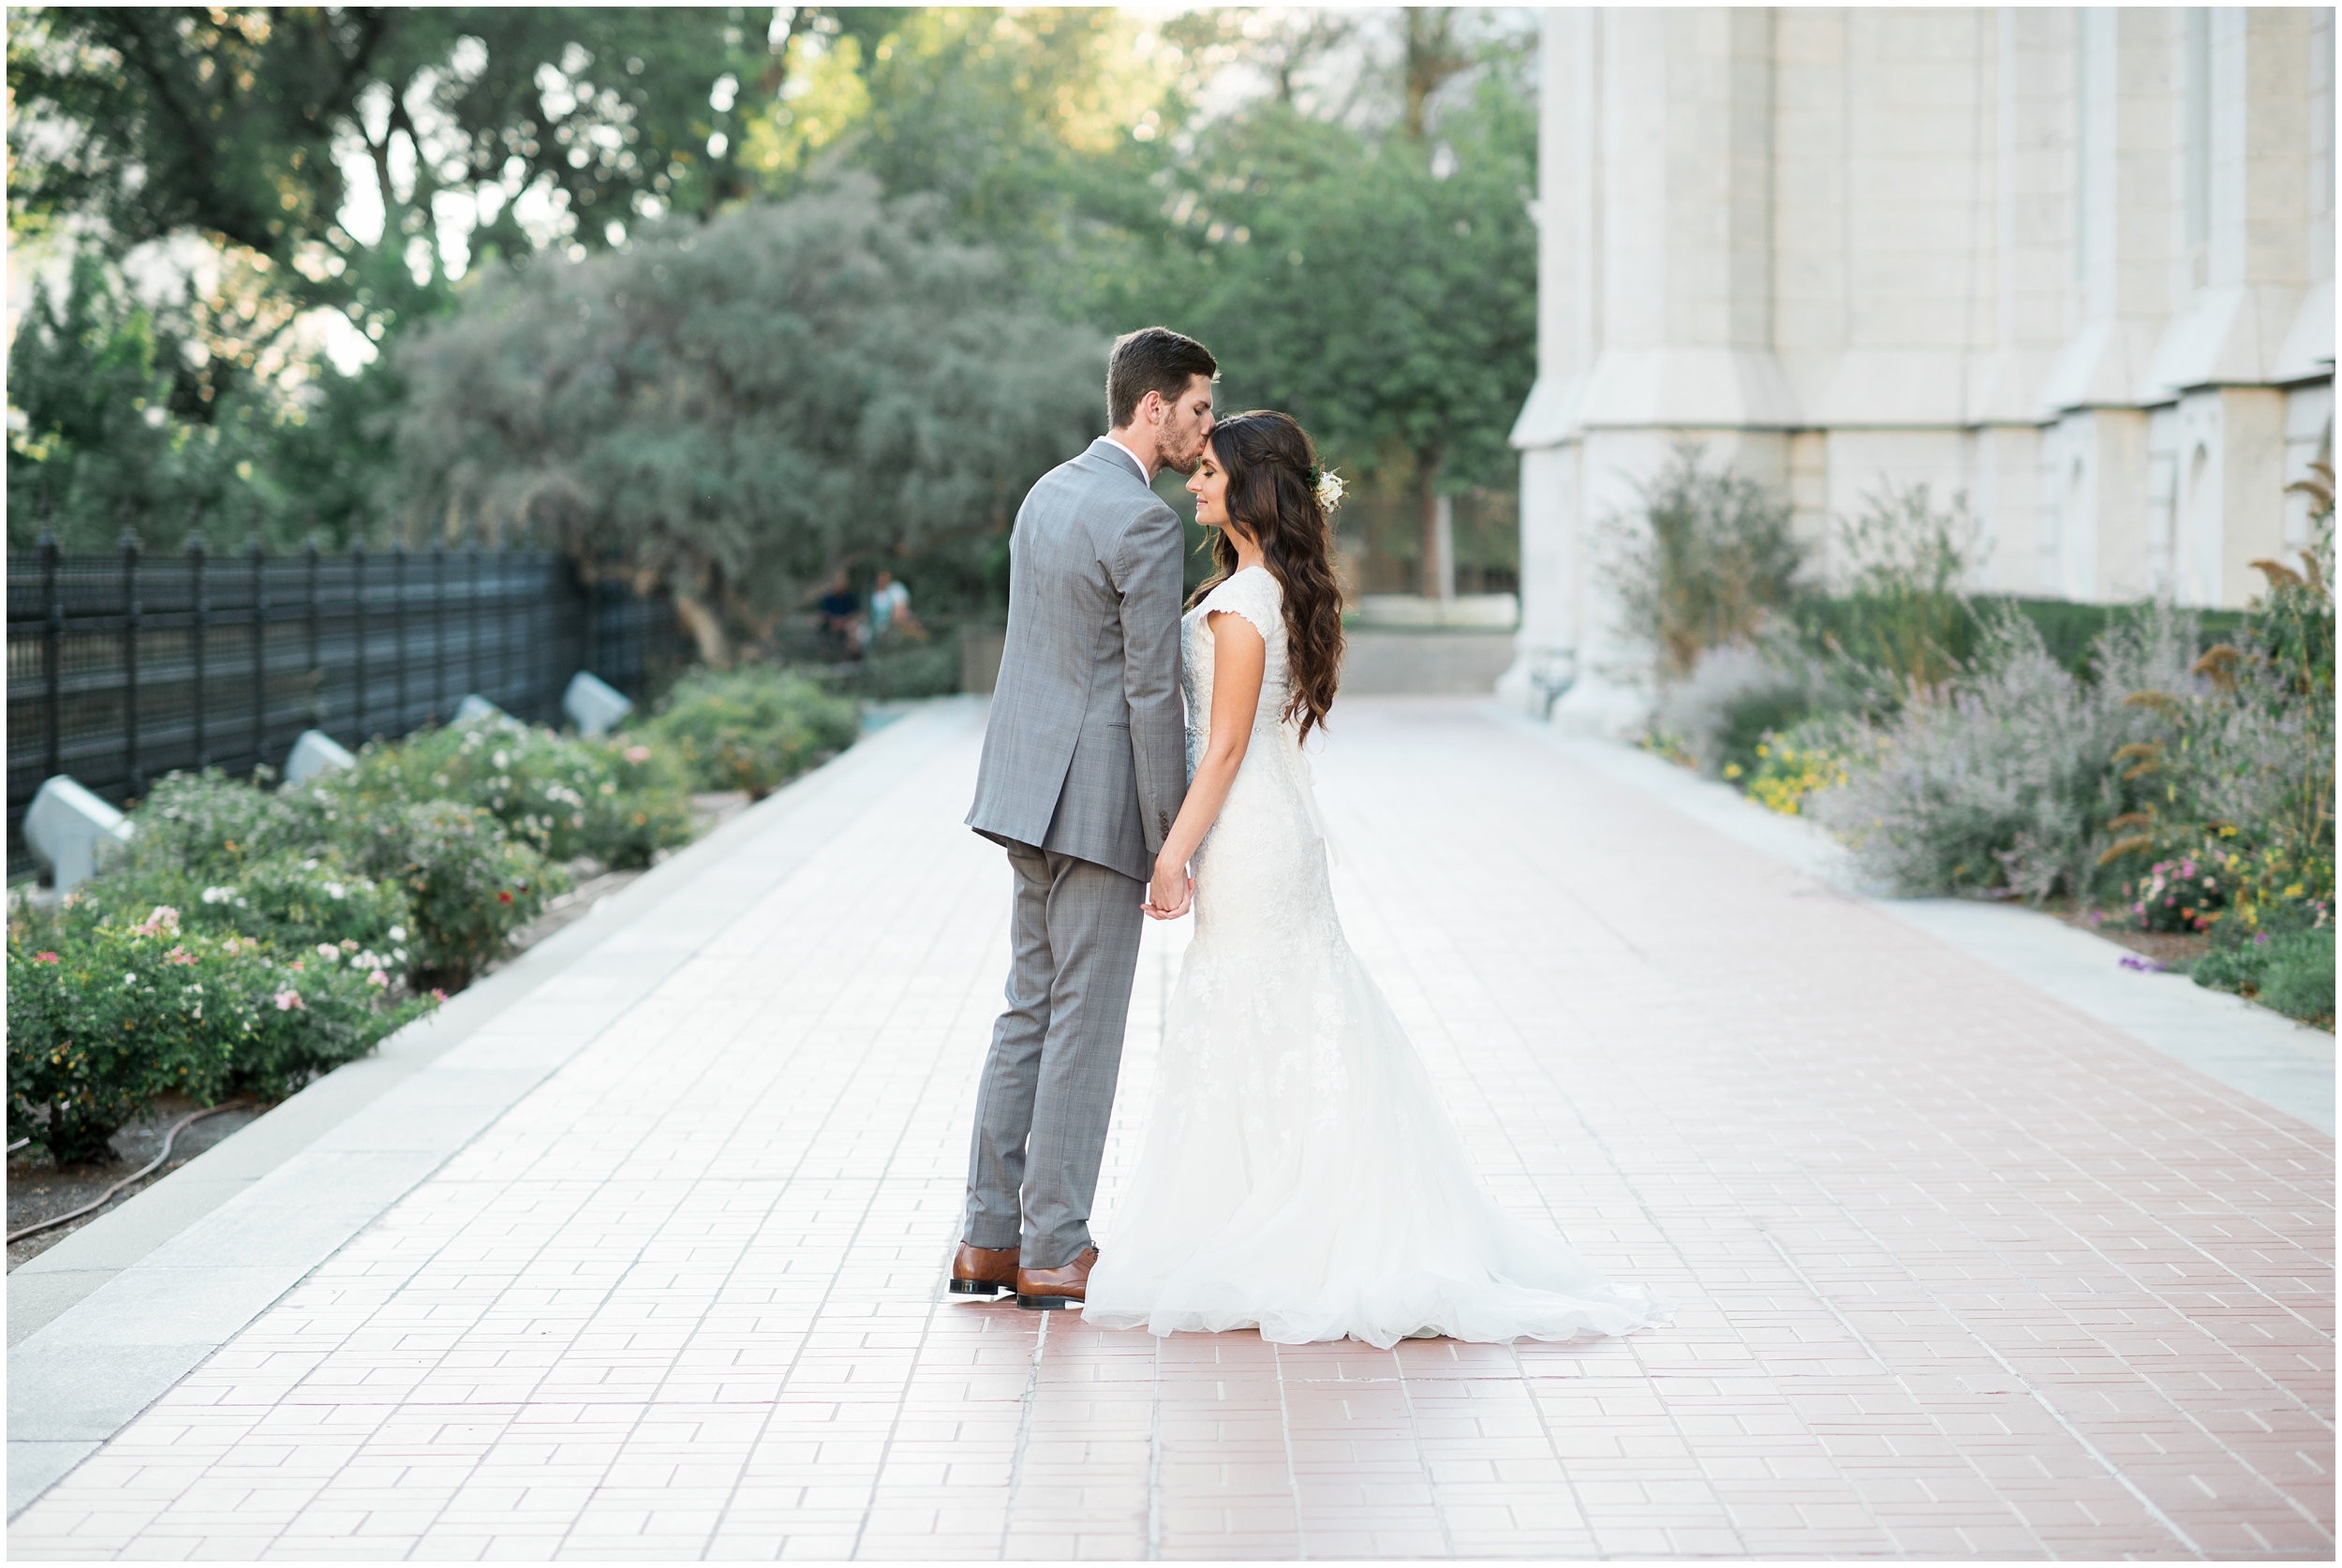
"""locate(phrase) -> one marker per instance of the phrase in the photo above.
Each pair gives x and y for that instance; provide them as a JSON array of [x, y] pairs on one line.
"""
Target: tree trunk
[[707, 627], [1432, 58], [1438, 576]]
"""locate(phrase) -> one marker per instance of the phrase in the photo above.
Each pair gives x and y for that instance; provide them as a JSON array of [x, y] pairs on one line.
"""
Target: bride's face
[[1208, 484]]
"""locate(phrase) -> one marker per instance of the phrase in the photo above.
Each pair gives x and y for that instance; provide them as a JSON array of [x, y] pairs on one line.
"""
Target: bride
[[1300, 1175]]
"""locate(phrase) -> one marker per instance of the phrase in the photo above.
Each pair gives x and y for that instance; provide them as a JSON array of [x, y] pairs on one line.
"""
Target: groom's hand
[[1169, 895]]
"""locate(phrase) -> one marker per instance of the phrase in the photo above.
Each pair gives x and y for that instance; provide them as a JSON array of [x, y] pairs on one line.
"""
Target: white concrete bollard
[[315, 752], [593, 705], [475, 706], [71, 830]]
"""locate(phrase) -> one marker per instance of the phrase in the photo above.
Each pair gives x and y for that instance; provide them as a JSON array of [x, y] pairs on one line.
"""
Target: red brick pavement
[[1961, 1271]]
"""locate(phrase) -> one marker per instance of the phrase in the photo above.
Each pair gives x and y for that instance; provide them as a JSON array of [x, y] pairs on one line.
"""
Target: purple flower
[[2144, 966]]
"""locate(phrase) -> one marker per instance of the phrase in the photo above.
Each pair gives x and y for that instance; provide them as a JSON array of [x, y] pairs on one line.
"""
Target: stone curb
[[2286, 1066], [103, 1324]]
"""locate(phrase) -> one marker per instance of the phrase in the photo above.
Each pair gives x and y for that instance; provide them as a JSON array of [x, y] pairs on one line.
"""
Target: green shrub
[[441, 884], [564, 795], [2291, 973], [287, 898], [2239, 763], [468, 885], [209, 826], [105, 1016], [752, 729], [901, 668]]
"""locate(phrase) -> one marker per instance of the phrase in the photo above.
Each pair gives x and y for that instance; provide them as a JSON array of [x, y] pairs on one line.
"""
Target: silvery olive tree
[[731, 411]]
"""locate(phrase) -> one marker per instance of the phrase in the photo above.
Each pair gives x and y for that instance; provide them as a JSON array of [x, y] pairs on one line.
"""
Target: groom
[[1084, 763]]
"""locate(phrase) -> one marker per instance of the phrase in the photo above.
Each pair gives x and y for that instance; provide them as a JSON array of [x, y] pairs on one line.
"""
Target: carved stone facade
[[2076, 264]]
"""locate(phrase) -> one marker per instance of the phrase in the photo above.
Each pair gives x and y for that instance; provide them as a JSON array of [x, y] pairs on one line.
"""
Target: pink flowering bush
[[2182, 894], [105, 1016]]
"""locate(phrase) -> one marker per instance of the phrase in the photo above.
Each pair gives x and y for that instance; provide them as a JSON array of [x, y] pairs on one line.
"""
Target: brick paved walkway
[[1961, 1271]]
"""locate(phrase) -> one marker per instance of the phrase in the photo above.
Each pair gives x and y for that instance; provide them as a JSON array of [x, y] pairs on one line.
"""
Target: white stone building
[[2076, 264]]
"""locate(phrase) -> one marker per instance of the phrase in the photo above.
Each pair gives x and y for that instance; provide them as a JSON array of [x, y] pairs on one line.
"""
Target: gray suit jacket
[[1086, 750]]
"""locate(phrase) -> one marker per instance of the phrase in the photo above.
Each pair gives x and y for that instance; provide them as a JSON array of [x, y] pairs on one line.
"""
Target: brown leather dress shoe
[[983, 1270], [1046, 1289]]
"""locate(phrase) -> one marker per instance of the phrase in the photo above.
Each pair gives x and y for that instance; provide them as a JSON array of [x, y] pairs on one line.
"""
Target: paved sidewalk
[[1962, 1270]]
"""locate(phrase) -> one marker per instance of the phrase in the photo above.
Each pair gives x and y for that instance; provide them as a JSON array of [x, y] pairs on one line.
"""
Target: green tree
[[1382, 295], [243, 124], [121, 428], [266, 134], [94, 375], [733, 411]]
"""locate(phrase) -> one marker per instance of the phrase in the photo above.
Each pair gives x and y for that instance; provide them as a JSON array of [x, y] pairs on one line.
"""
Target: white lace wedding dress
[[1299, 1174]]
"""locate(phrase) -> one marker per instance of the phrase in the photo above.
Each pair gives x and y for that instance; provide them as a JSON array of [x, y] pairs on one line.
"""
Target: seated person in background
[[841, 621], [890, 608]]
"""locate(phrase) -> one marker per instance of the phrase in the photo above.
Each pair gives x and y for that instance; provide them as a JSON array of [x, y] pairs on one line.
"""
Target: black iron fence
[[124, 667]]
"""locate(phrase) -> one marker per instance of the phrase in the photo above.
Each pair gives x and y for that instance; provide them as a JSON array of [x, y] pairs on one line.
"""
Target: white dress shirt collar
[[1132, 455]]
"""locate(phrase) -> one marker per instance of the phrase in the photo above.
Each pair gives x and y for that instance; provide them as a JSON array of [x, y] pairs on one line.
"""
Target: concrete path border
[[2283, 1065], [104, 1323]]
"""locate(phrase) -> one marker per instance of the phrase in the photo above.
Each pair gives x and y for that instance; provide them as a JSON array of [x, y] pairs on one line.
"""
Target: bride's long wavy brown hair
[[1269, 462]]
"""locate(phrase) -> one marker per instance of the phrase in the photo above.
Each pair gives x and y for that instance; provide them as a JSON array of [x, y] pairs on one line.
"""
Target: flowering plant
[[469, 886], [2182, 894], [619, 802], [105, 1014], [291, 897]]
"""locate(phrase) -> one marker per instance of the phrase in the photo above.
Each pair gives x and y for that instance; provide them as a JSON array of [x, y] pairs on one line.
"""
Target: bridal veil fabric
[[1299, 1174]]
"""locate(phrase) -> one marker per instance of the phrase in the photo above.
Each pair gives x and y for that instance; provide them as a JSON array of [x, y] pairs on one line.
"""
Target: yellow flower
[[2294, 892], [1732, 770]]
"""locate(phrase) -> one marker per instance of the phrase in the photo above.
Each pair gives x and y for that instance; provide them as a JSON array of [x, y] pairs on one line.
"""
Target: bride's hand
[[1171, 892]]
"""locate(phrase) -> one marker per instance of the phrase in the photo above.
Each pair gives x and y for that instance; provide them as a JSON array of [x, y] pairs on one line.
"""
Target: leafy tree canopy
[[735, 410], [1335, 202]]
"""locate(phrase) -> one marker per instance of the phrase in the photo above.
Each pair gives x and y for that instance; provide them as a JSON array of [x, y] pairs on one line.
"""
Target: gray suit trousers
[[1049, 1083]]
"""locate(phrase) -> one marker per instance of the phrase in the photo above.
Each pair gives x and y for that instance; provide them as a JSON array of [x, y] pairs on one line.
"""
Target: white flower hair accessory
[[1328, 486]]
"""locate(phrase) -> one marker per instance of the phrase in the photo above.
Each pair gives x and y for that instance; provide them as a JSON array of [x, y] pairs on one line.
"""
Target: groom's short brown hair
[[1152, 360]]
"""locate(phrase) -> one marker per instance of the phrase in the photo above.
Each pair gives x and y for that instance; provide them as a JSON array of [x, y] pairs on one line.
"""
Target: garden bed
[[2160, 775], [247, 940], [2174, 950], [38, 1190]]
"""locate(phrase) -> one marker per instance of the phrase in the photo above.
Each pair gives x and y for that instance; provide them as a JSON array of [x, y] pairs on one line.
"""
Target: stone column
[[2096, 541], [2246, 273], [1569, 292], [1654, 309]]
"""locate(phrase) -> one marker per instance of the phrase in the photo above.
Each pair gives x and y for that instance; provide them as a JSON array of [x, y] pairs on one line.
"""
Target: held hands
[[1173, 891]]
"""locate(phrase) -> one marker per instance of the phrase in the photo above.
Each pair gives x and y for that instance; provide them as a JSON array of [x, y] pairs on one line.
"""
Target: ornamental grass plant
[[2236, 776], [1708, 557]]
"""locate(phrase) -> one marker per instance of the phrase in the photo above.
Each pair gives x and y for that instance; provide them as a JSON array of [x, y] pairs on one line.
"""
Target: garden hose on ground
[[153, 1165]]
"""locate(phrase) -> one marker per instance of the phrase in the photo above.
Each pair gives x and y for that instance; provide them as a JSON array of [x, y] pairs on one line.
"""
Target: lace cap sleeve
[[1252, 594]]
